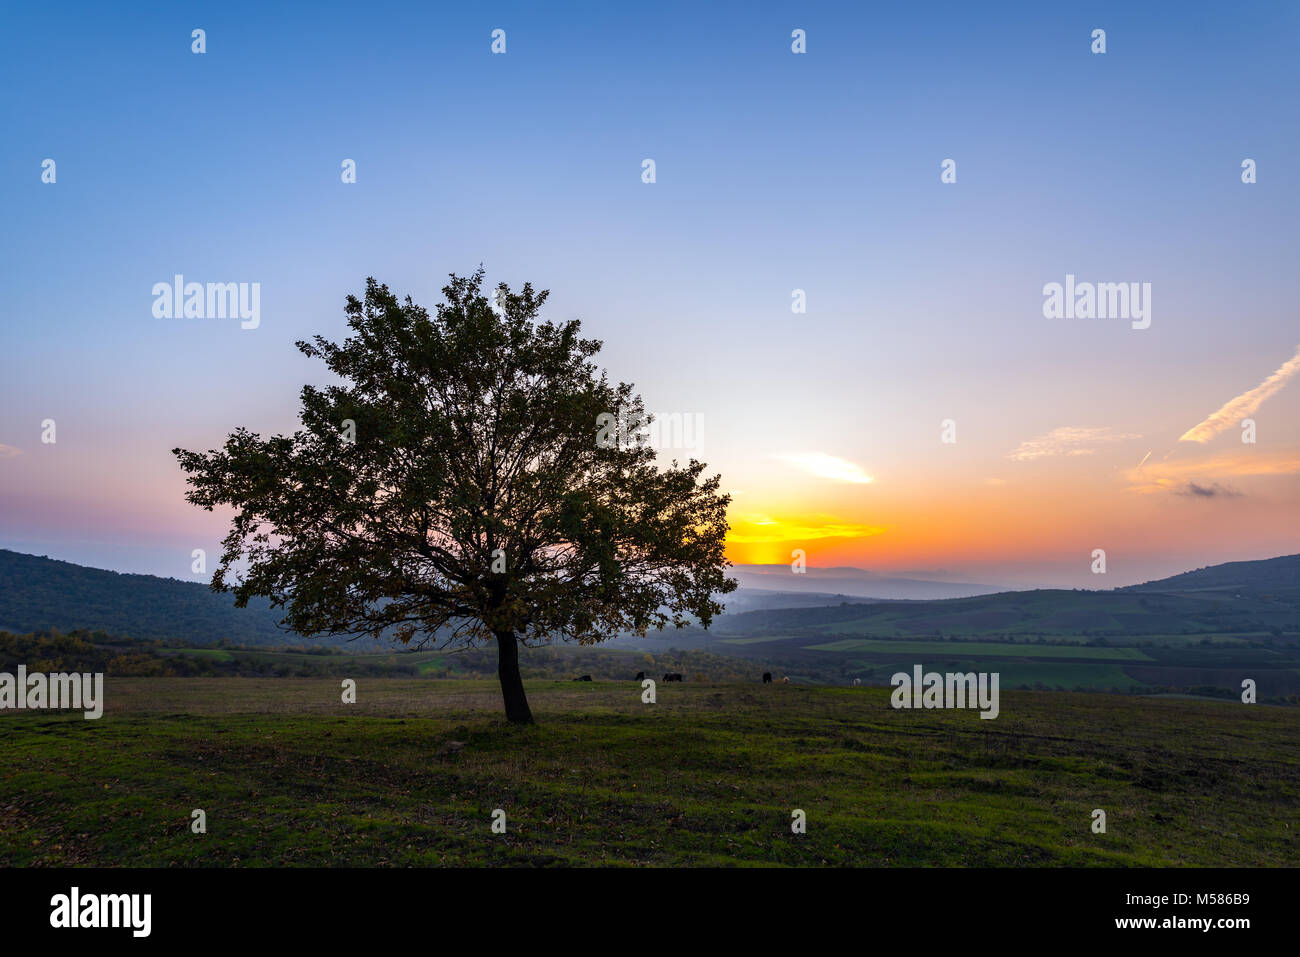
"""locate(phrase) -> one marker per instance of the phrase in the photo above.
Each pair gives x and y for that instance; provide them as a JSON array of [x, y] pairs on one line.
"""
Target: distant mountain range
[[39, 593], [1237, 596], [1202, 633]]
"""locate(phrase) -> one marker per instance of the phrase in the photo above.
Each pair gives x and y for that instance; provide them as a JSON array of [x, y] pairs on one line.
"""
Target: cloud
[[1234, 410], [1208, 491], [1197, 477], [1068, 440], [825, 466], [9, 451], [754, 529]]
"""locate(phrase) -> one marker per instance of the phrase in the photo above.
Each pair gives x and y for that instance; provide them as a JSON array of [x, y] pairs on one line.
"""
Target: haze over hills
[[855, 583], [761, 599], [1202, 632], [1242, 596]]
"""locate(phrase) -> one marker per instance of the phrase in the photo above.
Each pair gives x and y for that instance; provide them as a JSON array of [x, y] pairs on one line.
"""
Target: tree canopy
[[454, 487]]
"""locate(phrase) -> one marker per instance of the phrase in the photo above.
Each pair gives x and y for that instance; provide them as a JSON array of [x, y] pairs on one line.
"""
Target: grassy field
[[288, 775]]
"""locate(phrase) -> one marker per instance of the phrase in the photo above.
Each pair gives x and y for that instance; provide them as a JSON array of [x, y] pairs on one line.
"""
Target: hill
[[1270, 578], [1256, 596], [1126, 612], [40, 594], [1203, 632]]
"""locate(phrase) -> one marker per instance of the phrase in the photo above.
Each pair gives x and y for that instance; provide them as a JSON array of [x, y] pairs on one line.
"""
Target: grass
[[288, 775]]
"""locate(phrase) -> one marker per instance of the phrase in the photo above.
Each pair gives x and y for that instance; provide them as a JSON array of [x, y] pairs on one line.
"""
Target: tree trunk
[[512, 686]]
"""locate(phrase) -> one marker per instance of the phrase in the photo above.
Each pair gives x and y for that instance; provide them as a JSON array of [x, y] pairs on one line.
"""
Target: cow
[[767, 677], [583, 678], [785, 681], [673, 676], [640, 676], [856, 682]]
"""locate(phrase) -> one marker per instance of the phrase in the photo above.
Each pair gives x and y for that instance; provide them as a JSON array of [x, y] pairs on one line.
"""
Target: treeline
[[82, 651], [120, 656]]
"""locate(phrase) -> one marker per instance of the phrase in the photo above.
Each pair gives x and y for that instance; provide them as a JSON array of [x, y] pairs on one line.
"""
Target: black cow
[[640, 676], [672, 676], [583, 678], [767, 677]]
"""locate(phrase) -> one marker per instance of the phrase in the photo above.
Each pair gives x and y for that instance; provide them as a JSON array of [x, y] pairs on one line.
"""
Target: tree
[[458, 487]]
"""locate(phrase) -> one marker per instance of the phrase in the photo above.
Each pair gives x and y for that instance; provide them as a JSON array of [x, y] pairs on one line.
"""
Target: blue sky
[[775, 171]]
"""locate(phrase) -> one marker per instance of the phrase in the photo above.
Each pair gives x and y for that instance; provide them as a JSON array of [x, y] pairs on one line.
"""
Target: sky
[[774, 171]]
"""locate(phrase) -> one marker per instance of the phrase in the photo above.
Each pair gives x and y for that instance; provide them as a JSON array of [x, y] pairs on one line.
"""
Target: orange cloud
[[754, 529], [1068, 440], [1170, 476]]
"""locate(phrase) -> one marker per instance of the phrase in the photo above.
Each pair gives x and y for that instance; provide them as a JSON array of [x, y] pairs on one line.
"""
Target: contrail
[[1234, 410]]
